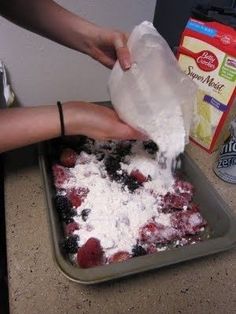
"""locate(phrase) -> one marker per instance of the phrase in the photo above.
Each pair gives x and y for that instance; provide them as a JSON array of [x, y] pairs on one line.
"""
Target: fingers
[[122, 51], [125, 132]]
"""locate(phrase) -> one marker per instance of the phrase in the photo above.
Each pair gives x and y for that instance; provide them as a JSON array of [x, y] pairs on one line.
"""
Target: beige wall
[[42, 71]]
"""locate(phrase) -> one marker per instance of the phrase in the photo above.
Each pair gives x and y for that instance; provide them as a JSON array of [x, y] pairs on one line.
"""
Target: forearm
[[50, 20], [25, 126]]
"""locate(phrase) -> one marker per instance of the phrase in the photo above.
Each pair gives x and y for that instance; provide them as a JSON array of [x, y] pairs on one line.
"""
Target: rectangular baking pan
[[221, 221]]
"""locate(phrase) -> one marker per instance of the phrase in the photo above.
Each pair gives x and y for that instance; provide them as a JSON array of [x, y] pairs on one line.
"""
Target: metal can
[[225, 165]]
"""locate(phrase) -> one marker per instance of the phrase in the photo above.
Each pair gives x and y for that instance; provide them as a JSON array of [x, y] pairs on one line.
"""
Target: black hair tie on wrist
[[59, 105]]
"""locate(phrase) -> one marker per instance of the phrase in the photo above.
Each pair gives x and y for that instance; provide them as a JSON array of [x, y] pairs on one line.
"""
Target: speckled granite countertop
[[206, 285]]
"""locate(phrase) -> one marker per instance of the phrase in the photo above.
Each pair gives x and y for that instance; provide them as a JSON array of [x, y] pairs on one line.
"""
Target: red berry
[[181, 186], [90, 254], [151, 249], [149, 232], [71, 227], [60, 174], [119, 257], [77, 196], [157, 233], [175, 201], [188, 222], [68, 157], [138, 176]]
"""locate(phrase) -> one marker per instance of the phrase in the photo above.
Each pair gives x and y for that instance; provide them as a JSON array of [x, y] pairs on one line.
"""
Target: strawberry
[[90, 254], [71, 227], [119, 257], [68, 158], [77, 196], [138, 176], [60, 174]]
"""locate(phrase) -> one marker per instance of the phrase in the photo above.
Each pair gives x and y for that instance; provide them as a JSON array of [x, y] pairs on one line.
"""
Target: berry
[[138, 250], [84, 214], [119, 257], [157, 233], [181, 186], [149, 232], [71, 227], [62, 203], [151, 249], [112, 165], [67, 218], [188, 222], [77, 196], [150, 147], [138, 176], [174, 201], [100, 155], [64, 208], [123, 149], [60, 174], [90, 254], [71, 244], [130, 182], [68, 157]]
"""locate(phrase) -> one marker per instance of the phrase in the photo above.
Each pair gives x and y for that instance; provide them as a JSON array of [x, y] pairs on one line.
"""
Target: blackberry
[[138, 250], [86, 145], [100, 155], [70, 244], [84, 214], [67, 216], [112, 165], [62, 203], [64, 208], [123, 149], [130, 182], [107, 146], [150, 147]]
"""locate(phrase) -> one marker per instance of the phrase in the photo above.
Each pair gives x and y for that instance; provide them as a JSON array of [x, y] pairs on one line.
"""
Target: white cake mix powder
[[116, 215]]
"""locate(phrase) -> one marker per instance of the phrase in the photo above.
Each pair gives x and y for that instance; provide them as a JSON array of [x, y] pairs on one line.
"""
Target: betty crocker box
[[207, 54]]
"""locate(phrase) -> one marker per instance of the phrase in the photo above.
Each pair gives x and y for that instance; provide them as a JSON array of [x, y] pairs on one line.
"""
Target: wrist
[[85, 33], [73, 115]]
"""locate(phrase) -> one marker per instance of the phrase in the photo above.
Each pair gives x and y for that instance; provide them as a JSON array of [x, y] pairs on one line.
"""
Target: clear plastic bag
[[154, 93]]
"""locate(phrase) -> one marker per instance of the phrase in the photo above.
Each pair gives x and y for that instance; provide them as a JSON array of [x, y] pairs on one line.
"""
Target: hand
[[97, 122], [106, 46], [49, 19]]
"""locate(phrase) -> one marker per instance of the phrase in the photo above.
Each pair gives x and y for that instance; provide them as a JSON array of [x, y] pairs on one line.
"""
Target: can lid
[[209, 13]]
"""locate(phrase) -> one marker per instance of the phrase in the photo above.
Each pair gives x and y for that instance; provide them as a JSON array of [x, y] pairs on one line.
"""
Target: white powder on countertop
[[116, 215]]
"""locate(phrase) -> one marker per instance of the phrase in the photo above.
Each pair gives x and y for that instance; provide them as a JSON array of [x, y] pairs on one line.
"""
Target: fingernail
[[126, 64]]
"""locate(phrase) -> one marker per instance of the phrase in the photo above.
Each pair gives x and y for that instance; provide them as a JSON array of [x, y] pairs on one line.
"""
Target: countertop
[[206, 285]]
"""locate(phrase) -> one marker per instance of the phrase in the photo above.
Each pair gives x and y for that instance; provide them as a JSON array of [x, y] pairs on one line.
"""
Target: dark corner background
[[171, 16]]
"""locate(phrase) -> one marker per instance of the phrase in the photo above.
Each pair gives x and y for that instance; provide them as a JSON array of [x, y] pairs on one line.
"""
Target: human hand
[[97, 122], [106, 45]]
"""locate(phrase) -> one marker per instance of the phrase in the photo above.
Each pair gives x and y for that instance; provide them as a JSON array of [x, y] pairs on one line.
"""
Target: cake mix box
[[207, 54]]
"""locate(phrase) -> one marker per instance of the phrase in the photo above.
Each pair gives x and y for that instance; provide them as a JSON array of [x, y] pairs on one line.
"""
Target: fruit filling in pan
[[111, 209]]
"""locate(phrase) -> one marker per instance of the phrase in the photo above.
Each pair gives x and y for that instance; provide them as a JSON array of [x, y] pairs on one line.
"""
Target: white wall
[[42, 71]]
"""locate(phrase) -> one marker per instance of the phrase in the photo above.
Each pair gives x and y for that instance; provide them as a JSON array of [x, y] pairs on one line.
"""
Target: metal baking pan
[[221, 221]]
